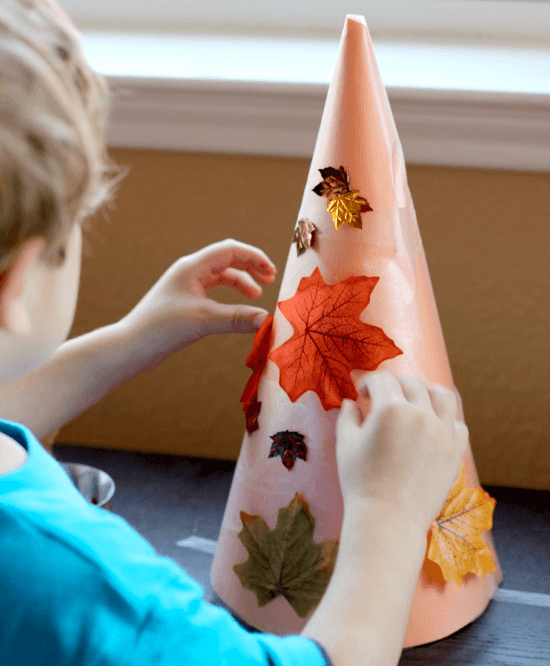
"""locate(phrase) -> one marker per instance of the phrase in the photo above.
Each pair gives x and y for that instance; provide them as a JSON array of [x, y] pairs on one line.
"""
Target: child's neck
[[12, 455]]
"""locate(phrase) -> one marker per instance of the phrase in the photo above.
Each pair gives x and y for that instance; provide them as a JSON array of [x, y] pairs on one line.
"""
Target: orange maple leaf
[[329, 339], [256, 361], [455, 542]]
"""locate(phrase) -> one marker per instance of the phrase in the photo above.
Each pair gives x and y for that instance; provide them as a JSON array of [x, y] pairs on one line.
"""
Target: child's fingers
[[462, 436], [215, 258], [239, 280], [348, 412], [382, 387], [415, 391], [444, 402]]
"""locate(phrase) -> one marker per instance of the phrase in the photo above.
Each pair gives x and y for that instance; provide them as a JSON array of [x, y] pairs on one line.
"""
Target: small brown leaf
[[335, 181], [285, 561], [304, 235]]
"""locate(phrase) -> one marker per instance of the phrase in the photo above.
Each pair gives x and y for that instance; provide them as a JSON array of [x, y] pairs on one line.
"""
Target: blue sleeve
[[323, 652], [187, 630], [113, 601], [80, 587]]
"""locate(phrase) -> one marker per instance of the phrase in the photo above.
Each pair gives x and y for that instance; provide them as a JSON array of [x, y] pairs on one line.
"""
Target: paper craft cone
[[355, 296]]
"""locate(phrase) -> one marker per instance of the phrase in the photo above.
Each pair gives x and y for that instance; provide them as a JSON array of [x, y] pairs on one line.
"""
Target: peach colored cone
[[358, 132]]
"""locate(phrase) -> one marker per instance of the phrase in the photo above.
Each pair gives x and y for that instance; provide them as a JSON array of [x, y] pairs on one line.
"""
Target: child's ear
[[14, 313]]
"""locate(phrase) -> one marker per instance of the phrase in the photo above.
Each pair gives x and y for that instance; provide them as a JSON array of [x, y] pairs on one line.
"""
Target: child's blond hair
[[54, 167]]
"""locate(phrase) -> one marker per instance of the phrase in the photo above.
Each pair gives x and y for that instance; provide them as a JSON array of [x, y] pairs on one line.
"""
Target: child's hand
[[175, 312], [408, 450]]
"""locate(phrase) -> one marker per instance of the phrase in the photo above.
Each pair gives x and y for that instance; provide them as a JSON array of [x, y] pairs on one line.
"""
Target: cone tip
[[356, 18]]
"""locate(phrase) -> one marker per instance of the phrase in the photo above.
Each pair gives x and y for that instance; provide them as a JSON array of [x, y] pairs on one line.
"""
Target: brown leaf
[[285, 561], [304, 235], [335, 181]]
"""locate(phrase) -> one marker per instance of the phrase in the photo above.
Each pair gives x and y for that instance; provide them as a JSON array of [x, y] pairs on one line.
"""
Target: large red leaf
[[329, 339]]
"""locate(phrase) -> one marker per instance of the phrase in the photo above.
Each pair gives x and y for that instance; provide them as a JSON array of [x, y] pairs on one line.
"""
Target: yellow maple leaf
[[455, 542], [346, 207]]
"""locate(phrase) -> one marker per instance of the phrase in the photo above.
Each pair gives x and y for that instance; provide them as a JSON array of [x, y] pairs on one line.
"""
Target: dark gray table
[[177, 504]]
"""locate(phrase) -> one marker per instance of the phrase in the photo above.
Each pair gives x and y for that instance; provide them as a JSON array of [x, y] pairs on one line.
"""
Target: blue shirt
[[80, 587]]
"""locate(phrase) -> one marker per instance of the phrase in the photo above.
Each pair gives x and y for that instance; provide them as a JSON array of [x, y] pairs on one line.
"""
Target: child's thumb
[[349, 413], [223, 318]]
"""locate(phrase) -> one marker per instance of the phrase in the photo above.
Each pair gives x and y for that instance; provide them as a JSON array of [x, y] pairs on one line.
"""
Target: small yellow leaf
[[346, 207], [345, 204], [455, 542]]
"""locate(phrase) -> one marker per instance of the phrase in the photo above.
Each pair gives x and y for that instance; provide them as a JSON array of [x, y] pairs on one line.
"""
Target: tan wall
[[486, 235]]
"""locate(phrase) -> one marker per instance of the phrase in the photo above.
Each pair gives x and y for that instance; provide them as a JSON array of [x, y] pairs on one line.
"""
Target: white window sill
[[454, 104]]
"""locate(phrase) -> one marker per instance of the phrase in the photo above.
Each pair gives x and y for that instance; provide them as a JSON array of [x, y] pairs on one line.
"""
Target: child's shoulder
[[12, 454]]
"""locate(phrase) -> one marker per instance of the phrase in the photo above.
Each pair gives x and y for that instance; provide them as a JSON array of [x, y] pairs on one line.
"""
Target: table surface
[[177, 504]]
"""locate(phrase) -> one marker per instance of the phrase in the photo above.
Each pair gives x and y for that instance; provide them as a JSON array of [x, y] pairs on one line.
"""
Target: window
[[468, 80], [509, 21]]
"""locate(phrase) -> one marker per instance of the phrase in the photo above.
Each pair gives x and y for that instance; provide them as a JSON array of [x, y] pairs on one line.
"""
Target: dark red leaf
[[289, 445], [256, 361], [252, 413]]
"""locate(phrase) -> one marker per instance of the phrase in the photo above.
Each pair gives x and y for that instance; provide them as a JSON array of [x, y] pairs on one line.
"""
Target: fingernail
[[363, 387], [259, 319]]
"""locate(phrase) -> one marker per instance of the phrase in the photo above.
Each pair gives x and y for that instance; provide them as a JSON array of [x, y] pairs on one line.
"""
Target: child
[[78, 586]]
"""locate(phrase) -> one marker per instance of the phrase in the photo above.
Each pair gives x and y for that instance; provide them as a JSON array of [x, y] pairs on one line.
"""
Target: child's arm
[[80, 373], [363, 615], [395, 469], [171, 316]]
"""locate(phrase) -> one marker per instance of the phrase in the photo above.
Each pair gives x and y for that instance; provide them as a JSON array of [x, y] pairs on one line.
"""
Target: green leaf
[[285, 561]]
